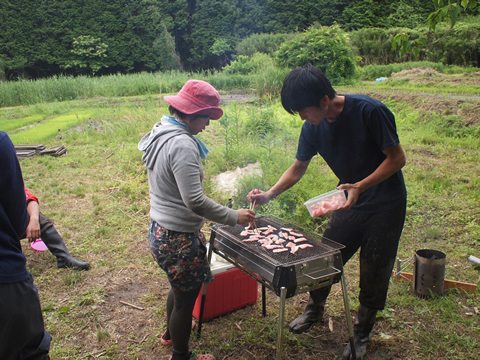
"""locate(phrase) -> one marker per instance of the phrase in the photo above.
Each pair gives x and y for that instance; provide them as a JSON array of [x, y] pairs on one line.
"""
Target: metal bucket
[[429, 273]]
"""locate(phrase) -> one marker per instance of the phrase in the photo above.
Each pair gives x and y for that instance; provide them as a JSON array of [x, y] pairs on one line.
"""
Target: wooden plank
[[447, 284], [36, 148], [25, 154]]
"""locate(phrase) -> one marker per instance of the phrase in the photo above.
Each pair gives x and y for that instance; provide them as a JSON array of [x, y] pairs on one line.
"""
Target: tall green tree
[[164, 46], [225, 23], [38, 43], [360, 14], [89, 53], [37, 37]]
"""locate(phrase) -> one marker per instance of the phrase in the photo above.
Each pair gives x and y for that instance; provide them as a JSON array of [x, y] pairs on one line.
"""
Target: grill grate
[[321, 246], [284, 273]]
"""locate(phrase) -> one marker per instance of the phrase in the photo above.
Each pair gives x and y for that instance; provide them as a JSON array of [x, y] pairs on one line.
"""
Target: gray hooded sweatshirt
[[175, 174]]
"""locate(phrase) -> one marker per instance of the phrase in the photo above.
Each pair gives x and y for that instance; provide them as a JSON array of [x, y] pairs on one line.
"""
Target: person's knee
[[185, 300], [45, 222], [373, 299]]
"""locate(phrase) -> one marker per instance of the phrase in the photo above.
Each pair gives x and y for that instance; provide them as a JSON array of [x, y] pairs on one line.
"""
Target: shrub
[[269, 80], [325, 47], [260, 122], [246, 65], [265, 76], [261, 43]]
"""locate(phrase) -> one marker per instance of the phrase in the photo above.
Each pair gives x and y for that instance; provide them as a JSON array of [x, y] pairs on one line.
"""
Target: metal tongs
[[253, 225], [252, 207]]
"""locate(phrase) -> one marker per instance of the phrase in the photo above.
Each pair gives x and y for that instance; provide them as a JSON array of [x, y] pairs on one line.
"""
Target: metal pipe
[[283, 297], [474, 260], [349, 317], [399, 268]]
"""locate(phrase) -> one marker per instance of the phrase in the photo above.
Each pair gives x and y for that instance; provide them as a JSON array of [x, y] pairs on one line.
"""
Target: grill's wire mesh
[[320, 246]]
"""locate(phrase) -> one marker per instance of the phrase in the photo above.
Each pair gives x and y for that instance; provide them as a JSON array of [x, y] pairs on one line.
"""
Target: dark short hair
[[303, 87], [172, 111], [182, 115]]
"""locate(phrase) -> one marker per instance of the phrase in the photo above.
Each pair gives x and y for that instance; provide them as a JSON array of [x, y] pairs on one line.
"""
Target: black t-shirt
[[13, 214], [352, 147]]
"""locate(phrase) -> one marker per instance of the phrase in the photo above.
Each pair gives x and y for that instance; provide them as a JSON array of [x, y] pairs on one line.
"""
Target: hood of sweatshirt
[[152, 142]]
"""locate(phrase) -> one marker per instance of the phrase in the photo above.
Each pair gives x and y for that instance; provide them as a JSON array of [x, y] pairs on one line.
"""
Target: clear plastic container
[[322, 204]]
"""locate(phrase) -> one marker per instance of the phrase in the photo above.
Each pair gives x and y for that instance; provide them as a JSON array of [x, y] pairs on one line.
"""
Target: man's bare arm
[[289, 178]]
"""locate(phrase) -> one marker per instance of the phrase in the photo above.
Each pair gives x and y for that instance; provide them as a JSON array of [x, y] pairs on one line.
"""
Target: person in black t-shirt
[[22, 331], [356, 136]]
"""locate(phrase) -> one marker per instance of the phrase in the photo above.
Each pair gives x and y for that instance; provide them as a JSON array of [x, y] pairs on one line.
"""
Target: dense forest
[[41, 38]]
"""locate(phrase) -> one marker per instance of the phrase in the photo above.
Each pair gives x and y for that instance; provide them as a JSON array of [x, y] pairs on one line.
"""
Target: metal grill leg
[[349, 317], [264, 301], [283, 296], [204, 290]]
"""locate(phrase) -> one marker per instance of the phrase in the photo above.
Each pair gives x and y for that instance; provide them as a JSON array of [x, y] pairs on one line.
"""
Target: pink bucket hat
[[197, 97]]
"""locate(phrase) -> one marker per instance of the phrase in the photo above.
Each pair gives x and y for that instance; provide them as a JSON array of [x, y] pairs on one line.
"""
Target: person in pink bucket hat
[[197, 97], [179, 206]]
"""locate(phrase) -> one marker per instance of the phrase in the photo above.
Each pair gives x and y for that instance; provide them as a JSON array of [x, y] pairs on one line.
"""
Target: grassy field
[[98, 197]]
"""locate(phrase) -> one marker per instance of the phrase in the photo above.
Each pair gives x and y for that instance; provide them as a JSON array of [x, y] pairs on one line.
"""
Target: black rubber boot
[[361, 332], [313, 313], [57, 247]]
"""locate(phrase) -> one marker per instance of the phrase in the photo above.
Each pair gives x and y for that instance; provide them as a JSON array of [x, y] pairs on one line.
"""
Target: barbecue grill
[[284, 273]]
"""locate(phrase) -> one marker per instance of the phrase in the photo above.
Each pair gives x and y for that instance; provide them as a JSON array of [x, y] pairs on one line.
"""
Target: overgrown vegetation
[[98, 196], [449, 46], [261, 43], [324, 47], [258, 72], [62, 88]]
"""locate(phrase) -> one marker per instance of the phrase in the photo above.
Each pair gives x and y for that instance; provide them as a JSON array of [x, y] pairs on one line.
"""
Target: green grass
[[49, 129], [64, 88], [12, 124], [98, 196], [438, 87]]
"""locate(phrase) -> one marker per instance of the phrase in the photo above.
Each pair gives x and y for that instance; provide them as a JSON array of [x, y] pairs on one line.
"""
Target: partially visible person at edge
[[42, 227], [179, 206], [22, 331], [356, 136]]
